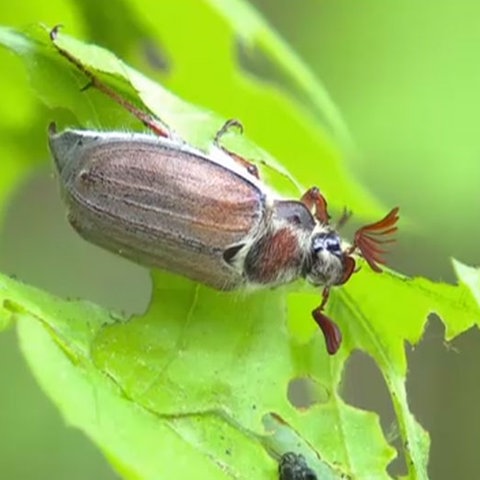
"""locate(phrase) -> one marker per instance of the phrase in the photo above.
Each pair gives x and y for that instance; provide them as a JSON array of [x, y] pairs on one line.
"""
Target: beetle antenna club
[[370, 238]]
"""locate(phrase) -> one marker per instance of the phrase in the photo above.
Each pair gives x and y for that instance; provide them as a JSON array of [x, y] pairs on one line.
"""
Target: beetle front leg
[[348, 269], [151, 122], [330, 330], [314, 200], [226, 127]]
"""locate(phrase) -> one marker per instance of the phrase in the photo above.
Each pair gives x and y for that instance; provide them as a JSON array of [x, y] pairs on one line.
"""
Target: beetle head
[[325, 263], [328, 264]]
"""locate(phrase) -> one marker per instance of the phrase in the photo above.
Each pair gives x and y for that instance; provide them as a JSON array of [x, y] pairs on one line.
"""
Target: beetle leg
[[314, 200], [349, 269], [345, 217], [330, 330], [228, 125], [250, 167], [151, 122]]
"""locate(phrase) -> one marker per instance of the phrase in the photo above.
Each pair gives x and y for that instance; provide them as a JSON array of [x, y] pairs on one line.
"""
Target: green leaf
[[256, 32], [204, 376], [15, 147]]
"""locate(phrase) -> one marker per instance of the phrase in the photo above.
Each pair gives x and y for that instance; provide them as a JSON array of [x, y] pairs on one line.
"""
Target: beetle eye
[[329, 242]]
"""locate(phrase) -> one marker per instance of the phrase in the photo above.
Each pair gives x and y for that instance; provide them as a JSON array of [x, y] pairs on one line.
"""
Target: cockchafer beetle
[[205, 215]]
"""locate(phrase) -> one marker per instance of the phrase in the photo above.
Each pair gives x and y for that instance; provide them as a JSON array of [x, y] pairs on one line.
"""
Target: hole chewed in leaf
[[443, 389], [365, 388], [303, 393]]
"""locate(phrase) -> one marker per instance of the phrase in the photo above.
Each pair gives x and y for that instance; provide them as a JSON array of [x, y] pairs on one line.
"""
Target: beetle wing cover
[[160, 205]]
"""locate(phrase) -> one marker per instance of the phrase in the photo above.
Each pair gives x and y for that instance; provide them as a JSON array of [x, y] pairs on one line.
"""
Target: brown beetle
[[205, 215]]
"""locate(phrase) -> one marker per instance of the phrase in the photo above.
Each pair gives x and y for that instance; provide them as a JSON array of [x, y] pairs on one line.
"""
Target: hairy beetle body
[[167, 205]]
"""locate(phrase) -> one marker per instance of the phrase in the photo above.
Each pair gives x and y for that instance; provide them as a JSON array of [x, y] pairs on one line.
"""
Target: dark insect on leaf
[[292, 466]]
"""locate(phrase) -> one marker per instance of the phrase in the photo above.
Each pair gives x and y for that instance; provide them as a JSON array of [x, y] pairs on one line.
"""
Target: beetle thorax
[[276, 256]]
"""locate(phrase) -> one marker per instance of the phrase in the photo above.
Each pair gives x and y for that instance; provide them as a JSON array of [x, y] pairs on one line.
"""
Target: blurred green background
[[406, 78]]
